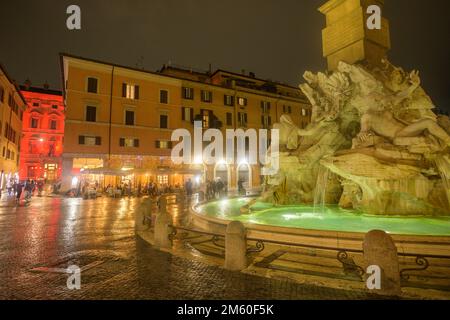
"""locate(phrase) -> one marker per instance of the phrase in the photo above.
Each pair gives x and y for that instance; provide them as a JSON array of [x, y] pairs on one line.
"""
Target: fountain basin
[[329, 226]]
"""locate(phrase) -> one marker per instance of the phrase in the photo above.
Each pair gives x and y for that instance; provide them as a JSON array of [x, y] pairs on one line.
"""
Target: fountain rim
[[413, 244]]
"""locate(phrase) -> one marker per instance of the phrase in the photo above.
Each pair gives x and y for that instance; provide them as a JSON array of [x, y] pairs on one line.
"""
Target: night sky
[[276, 39]]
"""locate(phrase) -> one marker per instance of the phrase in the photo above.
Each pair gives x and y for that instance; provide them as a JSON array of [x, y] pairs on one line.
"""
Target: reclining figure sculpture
[[374, 134]]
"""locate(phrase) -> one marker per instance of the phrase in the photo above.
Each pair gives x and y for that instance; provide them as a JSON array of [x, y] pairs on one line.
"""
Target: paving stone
[[63, 231]]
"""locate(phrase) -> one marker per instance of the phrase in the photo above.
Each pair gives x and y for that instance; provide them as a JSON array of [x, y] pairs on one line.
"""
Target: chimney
[[46, 85], [252, 75], [27, 83], [243, 71]]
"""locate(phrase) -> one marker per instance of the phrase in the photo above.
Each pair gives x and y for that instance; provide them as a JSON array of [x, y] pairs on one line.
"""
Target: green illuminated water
[[330, 218]]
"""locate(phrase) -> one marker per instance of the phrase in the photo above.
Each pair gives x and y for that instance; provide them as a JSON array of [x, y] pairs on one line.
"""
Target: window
[[187, 114], [266, 121], [206, 118], [129, 118], [242, 118], [91, 114], [242, 101], [228, 100], [35, 104], [265, 107], [304, 112], [163, 121], [34, 123], [287, 109], [163, 179], [229, 119], [129, 142], [164, 96], [55, 106], [188, 93], [162, 144], [53, 124], [92, 85], [206, 96], [89, 140], [130, 91]]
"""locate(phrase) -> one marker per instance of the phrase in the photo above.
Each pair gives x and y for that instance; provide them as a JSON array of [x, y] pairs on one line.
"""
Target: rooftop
[[220, 77], [40, 90]]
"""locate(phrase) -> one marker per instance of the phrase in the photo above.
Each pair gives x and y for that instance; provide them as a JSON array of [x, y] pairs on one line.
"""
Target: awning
[[141, 171], [107, 172]]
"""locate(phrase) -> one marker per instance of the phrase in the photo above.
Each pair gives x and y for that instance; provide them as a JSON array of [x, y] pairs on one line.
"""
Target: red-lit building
[[42, 134]]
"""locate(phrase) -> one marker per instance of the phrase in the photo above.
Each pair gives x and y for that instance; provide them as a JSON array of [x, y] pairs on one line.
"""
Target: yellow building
[[12, 106], [119, 120]]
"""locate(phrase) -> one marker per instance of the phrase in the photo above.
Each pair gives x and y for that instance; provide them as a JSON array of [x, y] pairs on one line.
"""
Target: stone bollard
[[142, 212], [380, 250], [162, 230], [181, 201], [235, 247]]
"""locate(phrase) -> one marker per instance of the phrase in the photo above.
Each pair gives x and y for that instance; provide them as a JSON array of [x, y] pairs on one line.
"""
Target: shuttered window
[[91, 114], [164, 96], [130, 91], [187, 114], [129, 118], [92, 85], [229, 119], [163, 121]]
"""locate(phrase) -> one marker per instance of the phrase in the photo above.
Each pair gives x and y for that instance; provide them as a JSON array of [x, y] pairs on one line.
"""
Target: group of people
[[216, 189], [122, 190], [151, 189], [28, 188]]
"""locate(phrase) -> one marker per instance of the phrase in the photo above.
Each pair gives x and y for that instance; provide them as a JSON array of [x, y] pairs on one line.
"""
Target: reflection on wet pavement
[[55, 233]]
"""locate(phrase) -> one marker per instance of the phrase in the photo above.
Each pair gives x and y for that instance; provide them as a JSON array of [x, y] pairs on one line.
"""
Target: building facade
[[42, 135], [119, 120], [12, 106]]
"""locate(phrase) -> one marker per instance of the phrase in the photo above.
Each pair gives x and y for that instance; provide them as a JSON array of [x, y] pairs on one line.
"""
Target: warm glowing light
[[198, 159], [74, 182], [243, 163]]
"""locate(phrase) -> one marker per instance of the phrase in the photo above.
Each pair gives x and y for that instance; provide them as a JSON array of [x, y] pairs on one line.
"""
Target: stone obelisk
[[346, 36]]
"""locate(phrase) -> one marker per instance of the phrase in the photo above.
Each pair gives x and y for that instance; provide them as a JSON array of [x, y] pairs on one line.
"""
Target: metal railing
[[421, 260]]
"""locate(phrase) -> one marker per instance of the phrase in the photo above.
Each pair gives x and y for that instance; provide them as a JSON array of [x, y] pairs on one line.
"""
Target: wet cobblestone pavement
[[56, 233]]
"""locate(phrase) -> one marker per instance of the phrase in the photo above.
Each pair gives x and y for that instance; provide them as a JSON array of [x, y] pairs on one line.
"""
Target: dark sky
[[276, 39]]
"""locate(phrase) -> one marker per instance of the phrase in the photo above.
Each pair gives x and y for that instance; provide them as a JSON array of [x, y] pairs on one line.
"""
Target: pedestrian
[[189, 188], [241, 189], [29, 186], [219, 188], [18, 190]]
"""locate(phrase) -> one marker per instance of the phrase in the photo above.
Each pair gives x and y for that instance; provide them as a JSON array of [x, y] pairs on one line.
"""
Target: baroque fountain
[[375, 156]]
